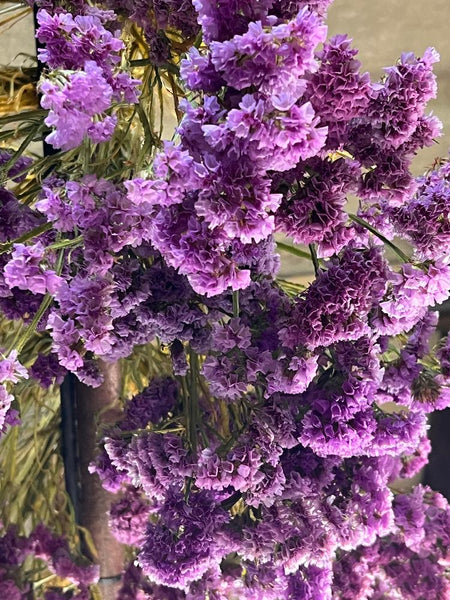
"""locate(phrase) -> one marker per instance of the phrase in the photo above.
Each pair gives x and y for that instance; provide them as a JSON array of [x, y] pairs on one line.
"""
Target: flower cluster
[[425, 219], [75, 106], [313, 211], [410, 562], [11, 371], [214, 189], [16, 220], [24, 270], [54, 551], [158, 19], [84, 56], [262, 466]]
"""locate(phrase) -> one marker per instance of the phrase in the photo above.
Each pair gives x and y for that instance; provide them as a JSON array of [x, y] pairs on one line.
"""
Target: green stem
[[130, 433], [46, 162], [140, 62], [21, 339], [66, 243], [231, 501], [290, 287], [236, 309], [23, 116], [86, 155], [369, 227], [314, 258], [191, 401], [150, 139], [293, 250], [5, 247]]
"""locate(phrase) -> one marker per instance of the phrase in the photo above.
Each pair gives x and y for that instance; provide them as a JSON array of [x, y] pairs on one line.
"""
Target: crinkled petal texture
[[260, 459], [185, 542]]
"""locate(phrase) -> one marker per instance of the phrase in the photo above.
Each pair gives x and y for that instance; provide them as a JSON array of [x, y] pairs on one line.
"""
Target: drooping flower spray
[[262, 465]]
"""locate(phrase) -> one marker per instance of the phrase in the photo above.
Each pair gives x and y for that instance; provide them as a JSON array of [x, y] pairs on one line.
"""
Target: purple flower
[[8, 587], [310, 583], [425, 219], [223, 19], [286, 9], [275, 141], [337, 91], [47, 370], [199, 73], [152, 404], [52, 205], [111, 477], [398, 433], [75, 105], [188, 244], [64, 340], [25, 271], [128, 518], [18, 171], [180, 173], [154, 461], [315, 211], [71, 42], [8, 416], [264, 57], [11, 370], [411, 292], [89, 302], [185, 542], [55, 549], [400, 100], [337, 305]]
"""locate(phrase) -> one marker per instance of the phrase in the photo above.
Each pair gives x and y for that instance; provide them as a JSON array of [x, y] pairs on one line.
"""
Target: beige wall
[[16, 34], [383, 29]]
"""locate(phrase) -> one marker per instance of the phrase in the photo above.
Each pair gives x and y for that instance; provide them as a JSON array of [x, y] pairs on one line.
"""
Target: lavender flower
[[336, 306], [77, 108], [24, 270], [425, 220], [72, 42], [315, 211], [128, 518], [11, 371], [337, 91], [185, 543], [266, 57], [153, 403], [47, 370], [221, 20]]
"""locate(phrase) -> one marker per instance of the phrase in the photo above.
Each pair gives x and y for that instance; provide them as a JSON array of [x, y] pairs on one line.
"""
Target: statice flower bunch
[[160, 21], [11, 371], [74, 108], [424, 219], [262, 461], [49, 548], [229, 147], [83, 56]]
